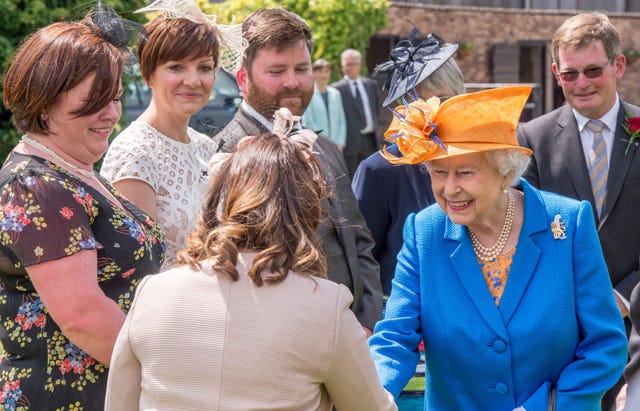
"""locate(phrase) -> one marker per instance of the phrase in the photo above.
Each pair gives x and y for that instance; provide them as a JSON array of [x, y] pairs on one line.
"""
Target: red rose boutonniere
[[632, 127]]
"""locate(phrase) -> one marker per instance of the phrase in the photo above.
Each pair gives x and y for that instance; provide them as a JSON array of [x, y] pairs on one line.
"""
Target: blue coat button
[[499, 346], [501, 388]]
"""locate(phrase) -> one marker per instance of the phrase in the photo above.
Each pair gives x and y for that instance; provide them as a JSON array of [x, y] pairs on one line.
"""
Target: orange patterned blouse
[[496, 273]]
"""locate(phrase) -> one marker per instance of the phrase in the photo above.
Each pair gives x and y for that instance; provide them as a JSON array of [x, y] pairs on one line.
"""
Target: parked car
[[223, 103]]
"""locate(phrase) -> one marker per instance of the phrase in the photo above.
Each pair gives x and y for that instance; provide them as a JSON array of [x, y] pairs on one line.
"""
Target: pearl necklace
[[61, 161], [490, 253]]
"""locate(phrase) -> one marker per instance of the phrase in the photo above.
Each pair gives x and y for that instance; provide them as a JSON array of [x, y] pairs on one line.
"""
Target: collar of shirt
[[268, 124], [353, 82], [610, 119]]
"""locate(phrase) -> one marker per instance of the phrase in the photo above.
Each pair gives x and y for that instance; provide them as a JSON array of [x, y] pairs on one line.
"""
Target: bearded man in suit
[[587, 64], [361, 103], [276, 72]]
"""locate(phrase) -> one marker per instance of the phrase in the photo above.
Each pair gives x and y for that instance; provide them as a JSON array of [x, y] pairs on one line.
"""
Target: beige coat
[[194, 340]]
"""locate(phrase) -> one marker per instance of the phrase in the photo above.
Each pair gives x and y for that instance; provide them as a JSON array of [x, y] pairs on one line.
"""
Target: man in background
[[582, 150], [361, 104]]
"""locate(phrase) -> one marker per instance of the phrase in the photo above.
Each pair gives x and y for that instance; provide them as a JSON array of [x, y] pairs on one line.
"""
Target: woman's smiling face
[[468, 188]]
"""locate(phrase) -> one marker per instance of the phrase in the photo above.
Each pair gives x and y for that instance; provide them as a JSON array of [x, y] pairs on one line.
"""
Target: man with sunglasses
[[587, 64]]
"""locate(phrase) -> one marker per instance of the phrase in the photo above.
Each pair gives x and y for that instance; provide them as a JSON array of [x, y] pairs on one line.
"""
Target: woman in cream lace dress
[[159, 162]]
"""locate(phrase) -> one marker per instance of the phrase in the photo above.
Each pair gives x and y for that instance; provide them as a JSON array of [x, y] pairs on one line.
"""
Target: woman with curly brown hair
[[264, 328]]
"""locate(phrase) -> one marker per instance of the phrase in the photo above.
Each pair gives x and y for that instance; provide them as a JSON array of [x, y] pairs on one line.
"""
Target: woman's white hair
[[507, 161]]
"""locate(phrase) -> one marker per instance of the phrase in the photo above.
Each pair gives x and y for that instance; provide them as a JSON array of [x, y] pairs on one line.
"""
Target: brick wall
[[486, 27]]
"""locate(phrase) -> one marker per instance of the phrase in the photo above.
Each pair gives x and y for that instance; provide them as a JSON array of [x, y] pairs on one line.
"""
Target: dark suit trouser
[[368, 146]]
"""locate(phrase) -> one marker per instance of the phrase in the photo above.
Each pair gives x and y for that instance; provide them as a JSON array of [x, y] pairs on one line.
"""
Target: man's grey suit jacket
[[558, 165]]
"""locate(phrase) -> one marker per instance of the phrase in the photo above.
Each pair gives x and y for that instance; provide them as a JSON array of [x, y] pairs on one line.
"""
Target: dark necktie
[[359, 107]]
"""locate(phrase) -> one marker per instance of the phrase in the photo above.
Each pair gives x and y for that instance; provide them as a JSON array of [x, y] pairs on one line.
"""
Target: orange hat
[[467, 123]]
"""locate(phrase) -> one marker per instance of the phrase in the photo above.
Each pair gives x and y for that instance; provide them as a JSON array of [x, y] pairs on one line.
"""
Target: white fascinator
[[232, 44]]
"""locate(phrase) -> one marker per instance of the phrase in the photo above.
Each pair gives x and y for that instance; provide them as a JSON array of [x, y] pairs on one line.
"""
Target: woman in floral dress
[[72, 249]]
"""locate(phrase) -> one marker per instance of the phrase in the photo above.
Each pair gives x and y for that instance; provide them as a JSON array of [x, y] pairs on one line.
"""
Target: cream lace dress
[[176, 171]]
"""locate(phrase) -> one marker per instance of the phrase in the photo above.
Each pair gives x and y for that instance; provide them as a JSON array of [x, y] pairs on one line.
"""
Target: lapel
[[323, 107], [347, 94], [619, 164], [524, 263], [370, 88], [249, 124], [333, 95], [527, 252], [568, 145], [241, 125], [470, 275]]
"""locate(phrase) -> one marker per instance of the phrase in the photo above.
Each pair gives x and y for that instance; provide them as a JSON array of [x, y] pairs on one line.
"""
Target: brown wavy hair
[[266, 197]]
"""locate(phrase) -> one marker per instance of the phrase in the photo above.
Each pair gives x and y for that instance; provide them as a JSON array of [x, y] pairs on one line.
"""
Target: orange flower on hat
[[467, 123], [414, 131]]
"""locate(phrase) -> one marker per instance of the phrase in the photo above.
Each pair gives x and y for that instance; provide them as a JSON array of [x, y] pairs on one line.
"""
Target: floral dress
[[47, 214]]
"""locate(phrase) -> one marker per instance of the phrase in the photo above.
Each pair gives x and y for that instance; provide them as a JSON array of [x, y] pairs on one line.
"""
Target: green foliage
[[19, 18], [336, 24]]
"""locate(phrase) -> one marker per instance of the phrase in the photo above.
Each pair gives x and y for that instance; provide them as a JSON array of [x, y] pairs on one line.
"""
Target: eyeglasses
[[590, 73]]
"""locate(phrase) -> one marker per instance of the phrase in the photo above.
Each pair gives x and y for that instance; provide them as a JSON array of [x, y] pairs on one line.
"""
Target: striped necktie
[[598, 167]]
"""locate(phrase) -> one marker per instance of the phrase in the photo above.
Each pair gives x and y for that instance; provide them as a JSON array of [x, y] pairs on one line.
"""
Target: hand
[[621, 398], [621, 307]]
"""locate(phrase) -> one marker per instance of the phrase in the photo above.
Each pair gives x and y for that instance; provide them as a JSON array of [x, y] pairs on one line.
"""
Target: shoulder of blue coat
[[433, 214], [542, 207], [556, 203]]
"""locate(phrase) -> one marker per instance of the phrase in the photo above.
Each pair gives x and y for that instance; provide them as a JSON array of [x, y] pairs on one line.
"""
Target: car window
[[225, 84]]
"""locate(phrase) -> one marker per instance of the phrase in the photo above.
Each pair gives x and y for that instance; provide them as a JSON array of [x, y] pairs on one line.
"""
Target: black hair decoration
[[118, 31]]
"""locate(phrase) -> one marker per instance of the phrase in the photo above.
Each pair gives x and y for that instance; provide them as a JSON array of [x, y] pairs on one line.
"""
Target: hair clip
[[283, 124], [116, 30], [232, 43]]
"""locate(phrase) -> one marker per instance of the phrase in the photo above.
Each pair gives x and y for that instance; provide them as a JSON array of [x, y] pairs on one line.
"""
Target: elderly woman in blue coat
[[506, 284]]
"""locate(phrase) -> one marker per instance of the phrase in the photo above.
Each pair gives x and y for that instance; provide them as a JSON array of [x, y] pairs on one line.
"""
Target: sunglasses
[[590, 73]]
